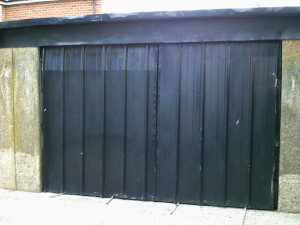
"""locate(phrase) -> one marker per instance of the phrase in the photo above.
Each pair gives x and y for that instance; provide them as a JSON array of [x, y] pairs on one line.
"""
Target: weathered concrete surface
[[289, 179], [48, 209], [28, 172], [27, 118], [289, 193], [7, 158], [20, 139]]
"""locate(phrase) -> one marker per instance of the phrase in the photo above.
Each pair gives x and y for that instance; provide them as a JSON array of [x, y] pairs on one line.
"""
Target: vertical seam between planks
[[218, 116], [195, 48], [260, 90], [227, 86], [242, 108], [157, 116], [250, 126], [64, 114], [104, 49], [252, 63], [194, 96], [203, 69], [147, 121], [178, 124], [83, 117], [260, 95], [269, 97], [125, 123]]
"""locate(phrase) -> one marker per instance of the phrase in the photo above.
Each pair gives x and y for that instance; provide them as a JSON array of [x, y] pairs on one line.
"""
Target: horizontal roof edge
[[160, 15]]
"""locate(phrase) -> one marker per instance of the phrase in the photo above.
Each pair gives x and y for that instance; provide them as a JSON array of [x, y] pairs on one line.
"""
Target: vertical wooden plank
[[239, 125], [136, 125], [214, 152], [264, 120], [93, 120], [151, 121], [190, 125], [53, 117], [115, 120], [168, 123], [73, 119]]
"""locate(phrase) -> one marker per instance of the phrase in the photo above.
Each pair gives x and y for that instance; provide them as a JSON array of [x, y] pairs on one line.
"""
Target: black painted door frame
[[190, 123]]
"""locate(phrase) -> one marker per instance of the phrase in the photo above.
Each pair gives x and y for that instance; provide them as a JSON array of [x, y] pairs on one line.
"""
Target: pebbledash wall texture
[[20, 134], [289, 178], [18, 10]]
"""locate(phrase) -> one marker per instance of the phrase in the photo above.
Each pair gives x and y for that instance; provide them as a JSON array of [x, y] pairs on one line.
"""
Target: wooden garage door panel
[[188, 123]]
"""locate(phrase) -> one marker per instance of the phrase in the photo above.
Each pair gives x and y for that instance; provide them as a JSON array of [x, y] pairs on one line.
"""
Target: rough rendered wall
[[7, 157], [289, 179], [20, 141]]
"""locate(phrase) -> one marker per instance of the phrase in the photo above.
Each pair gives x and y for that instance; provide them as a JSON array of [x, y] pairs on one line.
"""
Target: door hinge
[[277, 78]]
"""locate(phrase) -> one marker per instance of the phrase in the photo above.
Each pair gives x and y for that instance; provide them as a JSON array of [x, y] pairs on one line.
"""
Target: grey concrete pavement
[[22, 208]]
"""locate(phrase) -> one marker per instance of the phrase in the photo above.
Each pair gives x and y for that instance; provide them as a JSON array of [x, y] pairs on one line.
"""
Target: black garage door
[[188, 123]]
